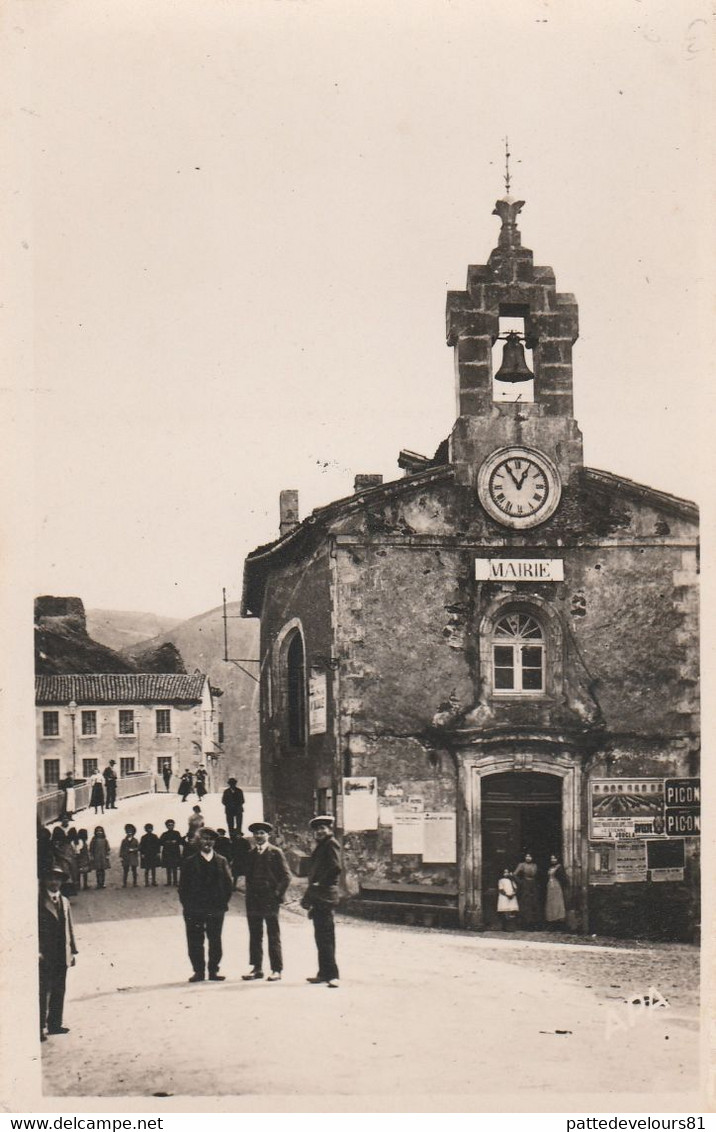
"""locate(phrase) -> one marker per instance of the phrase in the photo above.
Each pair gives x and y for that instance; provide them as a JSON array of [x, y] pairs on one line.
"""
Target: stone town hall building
[[495, 653]]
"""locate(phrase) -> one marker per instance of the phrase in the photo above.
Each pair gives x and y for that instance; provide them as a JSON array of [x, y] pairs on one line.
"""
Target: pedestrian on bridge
[[186, 786], [110, 785], [204, 892], [267, 878]]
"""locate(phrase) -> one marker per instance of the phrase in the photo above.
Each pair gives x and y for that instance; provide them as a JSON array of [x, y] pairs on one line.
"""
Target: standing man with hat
[[321, 897], [205, 888], [233, 802], [57, 951], [267, 878], [110, 782]]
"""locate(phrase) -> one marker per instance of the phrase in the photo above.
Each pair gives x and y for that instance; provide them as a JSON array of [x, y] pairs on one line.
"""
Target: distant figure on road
[[57, 951], [99, 854], [555, 911], [110, 785], [525, 876], [171, 844], [196, 821], [507, 903], [97, 792], [186, 786], [200, 781], [167, 776], [321, 897], [233, 802], [267, 878], [204, 892], [149, 852], [129, 854]]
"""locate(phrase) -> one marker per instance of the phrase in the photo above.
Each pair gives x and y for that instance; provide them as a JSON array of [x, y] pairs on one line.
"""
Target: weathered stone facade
[[382, 590]]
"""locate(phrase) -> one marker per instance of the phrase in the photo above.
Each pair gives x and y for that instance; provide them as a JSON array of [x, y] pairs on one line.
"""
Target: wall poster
[[622, 862], [360, 804], [440, 838], [317, 703], [407, 833], [622, 808]]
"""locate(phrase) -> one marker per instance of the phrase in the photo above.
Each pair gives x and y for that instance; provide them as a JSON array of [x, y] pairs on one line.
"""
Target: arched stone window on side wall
[[295, 691], [518, 655]]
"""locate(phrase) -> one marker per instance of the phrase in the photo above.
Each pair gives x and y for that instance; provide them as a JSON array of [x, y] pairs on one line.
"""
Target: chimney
[[364, 482], [288, 507]]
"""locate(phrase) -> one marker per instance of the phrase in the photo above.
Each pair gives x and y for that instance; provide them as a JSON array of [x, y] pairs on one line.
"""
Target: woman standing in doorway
[[555, 911], [527, 893]]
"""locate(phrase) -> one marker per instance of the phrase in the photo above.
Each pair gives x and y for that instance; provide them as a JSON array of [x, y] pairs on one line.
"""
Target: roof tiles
[[119, 688]]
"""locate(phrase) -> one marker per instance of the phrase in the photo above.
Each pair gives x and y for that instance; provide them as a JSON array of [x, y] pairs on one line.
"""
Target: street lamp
[[72, 709]]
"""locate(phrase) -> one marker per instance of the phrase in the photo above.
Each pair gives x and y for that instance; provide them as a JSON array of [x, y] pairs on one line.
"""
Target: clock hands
[[513, 477]]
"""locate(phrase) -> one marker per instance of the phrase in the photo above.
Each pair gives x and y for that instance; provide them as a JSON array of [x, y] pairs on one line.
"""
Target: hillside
[[118, 628], [200, 641]]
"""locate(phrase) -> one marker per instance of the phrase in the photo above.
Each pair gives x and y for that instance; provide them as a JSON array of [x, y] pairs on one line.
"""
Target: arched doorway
[[521, 811]]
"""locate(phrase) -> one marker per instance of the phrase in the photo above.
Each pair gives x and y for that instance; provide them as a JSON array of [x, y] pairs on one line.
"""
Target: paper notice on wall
[[630, 861], [661, 875], [317, 703], [440, 838], [407, 833], [385, 814], [360, 804]]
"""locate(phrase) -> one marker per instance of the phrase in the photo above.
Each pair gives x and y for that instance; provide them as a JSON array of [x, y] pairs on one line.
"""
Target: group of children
[[78, 856]]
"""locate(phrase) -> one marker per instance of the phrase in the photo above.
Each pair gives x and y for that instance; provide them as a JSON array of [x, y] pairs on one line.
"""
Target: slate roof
[[119, 688]]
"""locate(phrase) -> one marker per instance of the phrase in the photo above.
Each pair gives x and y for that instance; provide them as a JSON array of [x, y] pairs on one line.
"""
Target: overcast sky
[[245, 217]]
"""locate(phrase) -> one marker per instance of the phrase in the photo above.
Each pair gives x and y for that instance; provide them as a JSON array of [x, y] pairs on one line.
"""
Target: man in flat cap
[[267, 878], [205, 888], [57, 951], [321, 897]]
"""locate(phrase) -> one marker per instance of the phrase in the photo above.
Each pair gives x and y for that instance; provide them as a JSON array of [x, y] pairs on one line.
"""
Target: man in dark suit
[[321, 897], [205, 889], [233, 802], [110, 784], [57, 951], [267, 878]]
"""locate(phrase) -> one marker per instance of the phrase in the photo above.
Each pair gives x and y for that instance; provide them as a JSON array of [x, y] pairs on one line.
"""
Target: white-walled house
[[144, 721]]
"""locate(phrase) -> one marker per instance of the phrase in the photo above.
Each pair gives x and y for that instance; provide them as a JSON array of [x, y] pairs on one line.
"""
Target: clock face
[[519, 487]]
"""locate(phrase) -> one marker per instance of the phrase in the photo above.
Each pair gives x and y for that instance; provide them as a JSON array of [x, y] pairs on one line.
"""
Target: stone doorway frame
[[473, 766]]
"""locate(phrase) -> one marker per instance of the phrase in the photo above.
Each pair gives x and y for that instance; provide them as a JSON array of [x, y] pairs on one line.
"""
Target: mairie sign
[[519, 569]]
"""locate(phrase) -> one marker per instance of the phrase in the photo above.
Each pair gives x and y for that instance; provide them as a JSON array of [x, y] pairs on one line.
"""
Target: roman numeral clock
[[519, 487]]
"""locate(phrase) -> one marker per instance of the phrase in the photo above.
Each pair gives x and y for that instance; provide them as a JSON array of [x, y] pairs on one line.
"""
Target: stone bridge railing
[[49, 805]]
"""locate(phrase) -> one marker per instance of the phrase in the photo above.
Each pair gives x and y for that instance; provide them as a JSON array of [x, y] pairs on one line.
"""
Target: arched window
[[518, 655], [296, 691]]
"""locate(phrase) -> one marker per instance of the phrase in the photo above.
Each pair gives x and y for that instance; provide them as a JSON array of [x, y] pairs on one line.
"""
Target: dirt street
[[419, 1011]]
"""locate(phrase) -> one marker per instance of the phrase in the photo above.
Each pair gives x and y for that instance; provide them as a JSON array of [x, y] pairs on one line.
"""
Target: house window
[[164, 721], [518, 655], [126, 721], [126, 766], [52, 772], [89, 722], [89, 767], [50, 724], [220, 732], [296, 692]]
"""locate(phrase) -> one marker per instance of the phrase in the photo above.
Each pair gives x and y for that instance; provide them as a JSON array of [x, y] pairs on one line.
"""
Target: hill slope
[[200, 640], [119, 628]]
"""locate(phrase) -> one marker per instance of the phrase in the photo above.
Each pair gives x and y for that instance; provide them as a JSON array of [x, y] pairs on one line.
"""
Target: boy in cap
[[204, 891], [267, 878], [57, 951], [322, 896]]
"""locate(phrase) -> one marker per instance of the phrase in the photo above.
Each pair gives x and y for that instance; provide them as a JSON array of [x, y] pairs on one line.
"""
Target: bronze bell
[[514, 367]]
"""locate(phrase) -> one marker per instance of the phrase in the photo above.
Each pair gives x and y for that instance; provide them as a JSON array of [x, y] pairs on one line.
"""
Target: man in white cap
[[267, 878], [321, 897], [57, 951]]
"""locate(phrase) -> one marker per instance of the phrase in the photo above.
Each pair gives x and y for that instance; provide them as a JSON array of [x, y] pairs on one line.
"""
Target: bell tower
[[510, 405]]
